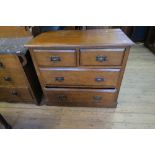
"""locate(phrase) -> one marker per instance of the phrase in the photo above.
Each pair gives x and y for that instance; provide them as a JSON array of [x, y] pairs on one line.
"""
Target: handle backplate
[[62, 97], [60, 79], [100, 58], [99, 79], [14, 93], [55, 59], [7, 78], [97, 98]]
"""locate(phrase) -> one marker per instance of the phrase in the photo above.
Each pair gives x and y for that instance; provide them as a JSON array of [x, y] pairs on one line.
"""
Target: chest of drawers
[[18, 80], [81, 68]]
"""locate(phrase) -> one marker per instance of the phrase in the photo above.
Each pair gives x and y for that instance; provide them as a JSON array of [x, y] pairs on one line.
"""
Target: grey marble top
[[13, 45]]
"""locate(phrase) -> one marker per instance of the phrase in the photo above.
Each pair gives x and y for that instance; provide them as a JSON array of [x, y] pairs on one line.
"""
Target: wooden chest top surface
[[79, 38]]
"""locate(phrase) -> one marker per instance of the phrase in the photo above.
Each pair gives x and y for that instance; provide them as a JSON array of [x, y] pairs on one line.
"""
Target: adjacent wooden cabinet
[[14, 31], [80, 68], [18, 80]]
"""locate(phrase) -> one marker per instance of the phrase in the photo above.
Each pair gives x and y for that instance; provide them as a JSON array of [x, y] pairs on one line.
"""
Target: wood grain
[[12, 78], [13, 31], [66, 58], [9, 61], [113, 57], [15, 94], [82, 97], [78, 38], [80, 77]]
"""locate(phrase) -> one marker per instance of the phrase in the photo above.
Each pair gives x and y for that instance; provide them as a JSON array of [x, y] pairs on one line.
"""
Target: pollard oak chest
[[81, 68]]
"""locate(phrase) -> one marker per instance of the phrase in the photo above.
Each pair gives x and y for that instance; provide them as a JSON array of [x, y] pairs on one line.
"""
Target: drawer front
[[15, 94], [53, 58], [81, 97], [80, 77], [100, 57], [12, 78], [8, 61]]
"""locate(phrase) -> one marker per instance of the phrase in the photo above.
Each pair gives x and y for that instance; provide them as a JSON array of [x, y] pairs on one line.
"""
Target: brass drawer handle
[[14, 93], [7, 78], [62, 97], [101, 58], [97, 98], [55, 58], [60, 79], [1, 65], [99, 79]]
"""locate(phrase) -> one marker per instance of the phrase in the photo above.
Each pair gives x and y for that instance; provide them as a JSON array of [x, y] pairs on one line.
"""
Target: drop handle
[[99, 79], [62, 97], [97, 98], [14, 93], [7, 78], [55, 58], [100, 58], [60, 79]]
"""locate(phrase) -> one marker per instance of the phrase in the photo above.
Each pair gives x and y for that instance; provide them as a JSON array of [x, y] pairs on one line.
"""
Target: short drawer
[[9, 61], [15, 94], [101, 57], [80, 77], [12, 78], [81, 97], [54, 58]]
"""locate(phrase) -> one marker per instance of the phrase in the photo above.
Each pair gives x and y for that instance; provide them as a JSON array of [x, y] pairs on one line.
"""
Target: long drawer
[[15, 94], [100, 57], [12, 77], [55, 58], [81, 97], [80, 77]]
